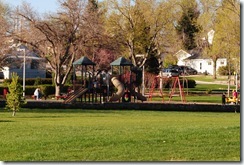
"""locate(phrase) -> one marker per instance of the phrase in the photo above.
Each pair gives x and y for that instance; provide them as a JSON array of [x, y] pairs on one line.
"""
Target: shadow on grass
[[36, 110], [5, 121]]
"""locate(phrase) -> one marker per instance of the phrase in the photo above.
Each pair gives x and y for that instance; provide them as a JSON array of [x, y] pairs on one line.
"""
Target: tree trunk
[[14, 112], [57, 81], [57, 90], [214, 69]]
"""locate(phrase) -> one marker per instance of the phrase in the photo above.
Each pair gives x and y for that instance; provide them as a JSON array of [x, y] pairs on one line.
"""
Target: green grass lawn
[[208, 78], [82, 135], [192, 98]]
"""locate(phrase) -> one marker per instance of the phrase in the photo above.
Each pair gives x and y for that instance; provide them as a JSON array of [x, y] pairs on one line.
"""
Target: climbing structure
[[83, 76]]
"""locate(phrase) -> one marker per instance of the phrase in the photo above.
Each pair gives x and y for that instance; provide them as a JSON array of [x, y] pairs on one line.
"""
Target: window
[[200, 66], [222, 62], [210, 63]]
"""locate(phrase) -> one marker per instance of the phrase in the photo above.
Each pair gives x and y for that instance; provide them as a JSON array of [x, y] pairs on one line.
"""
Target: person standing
[[235, 95], [223, 98], [37, 93]]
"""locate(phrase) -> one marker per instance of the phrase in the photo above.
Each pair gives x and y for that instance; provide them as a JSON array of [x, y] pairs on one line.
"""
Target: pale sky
[[42, 6]]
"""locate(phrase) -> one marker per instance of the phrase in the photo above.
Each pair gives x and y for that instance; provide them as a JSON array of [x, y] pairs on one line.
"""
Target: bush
[[38, 81], [191, 83], [224, 70], [209, 91], [47, 90], [32, 81]]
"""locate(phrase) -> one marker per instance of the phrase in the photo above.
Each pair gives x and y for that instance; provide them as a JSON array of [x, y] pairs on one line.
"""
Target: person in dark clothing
[[223, 98]]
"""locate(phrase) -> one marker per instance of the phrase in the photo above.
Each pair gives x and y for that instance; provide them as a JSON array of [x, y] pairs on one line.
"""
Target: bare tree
[[60, 38], [4, 15]]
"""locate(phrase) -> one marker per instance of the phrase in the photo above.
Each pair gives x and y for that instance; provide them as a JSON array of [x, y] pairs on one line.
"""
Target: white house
[[196, 61], [14, 62]]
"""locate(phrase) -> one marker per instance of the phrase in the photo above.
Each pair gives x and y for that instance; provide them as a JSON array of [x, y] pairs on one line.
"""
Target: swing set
[[175, 84]]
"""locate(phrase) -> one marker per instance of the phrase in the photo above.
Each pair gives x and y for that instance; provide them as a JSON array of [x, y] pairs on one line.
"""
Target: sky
[[42, 6]]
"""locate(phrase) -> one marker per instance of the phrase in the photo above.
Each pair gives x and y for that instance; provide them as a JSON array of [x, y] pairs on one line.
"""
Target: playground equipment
[[126, 78], [70, 98], [231, 100], [82, 86], [175, 81], [92, 88], [120, 92]]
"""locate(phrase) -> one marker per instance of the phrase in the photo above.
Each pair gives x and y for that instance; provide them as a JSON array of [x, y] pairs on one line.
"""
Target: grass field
[[208, 78], [82, 135], [192, 98]]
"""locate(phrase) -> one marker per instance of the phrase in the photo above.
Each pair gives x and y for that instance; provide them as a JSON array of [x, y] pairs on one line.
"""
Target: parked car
[[188, 70], [168, 72], [177, 68]]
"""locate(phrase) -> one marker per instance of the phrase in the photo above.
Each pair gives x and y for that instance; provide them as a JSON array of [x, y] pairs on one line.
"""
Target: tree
[[187, 26], [169, 60], [60, 38], [5, 25], [226, 41], [15, 96], [206, 18], [142, 27]]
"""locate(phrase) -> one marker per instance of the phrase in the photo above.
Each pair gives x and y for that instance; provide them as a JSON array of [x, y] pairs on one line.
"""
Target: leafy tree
[[15, 96], [227, 37], [226, 41], [141, 27], [206, 18], [187, 26], [169, 60], [103, 58]]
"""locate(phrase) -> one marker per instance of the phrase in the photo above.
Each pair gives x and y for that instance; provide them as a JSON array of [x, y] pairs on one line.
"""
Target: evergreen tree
[[152, 63], [187, 27], [14, 97]]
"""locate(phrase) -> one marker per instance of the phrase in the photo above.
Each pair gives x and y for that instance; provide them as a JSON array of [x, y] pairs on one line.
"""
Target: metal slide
[[76, 94], [120, 92]]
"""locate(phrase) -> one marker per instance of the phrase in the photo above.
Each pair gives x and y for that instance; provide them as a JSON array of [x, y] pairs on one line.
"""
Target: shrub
[[209, 91], [38, 81], [224, 70], [14, 98], [32, 81], [47, 90]]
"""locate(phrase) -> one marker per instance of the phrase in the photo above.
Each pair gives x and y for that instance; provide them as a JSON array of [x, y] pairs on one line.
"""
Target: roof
[[83, 61], [196, 54], [121, 62]]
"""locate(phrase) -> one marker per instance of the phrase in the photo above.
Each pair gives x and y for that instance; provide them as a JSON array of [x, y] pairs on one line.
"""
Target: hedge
[[45, 89], [32, 81]]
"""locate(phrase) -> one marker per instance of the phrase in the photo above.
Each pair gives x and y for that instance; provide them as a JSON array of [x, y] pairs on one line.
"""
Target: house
[[198, 62], [14, 62]]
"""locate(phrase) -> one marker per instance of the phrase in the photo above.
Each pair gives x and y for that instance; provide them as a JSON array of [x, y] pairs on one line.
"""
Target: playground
[[123, 83], [121, 88]]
